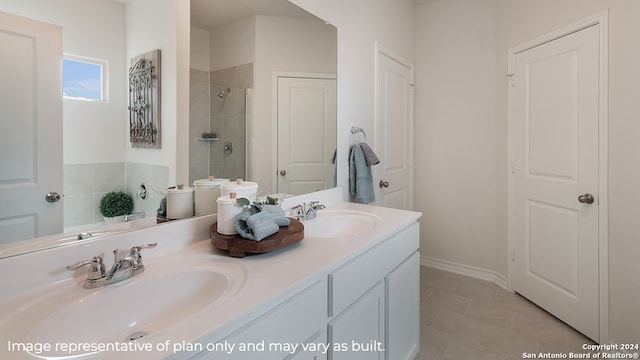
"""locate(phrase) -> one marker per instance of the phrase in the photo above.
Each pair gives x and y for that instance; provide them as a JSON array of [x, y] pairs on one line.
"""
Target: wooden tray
[[239, 246]]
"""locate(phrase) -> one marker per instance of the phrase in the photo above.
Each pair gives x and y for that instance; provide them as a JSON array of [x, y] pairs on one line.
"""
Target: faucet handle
[[96, 268], [134, 253], [144, 246], [298, 211]]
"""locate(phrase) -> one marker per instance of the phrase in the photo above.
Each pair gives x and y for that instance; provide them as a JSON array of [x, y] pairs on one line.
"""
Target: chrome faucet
[[84, 235], [135, 215], [122, 268], [306, 211]]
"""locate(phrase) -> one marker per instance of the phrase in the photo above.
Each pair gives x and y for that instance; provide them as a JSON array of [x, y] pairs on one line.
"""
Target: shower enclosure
[[220, 110]]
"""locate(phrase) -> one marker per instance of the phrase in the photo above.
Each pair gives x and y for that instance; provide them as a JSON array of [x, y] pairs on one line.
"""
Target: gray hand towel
[[360, 177], [369, 155]]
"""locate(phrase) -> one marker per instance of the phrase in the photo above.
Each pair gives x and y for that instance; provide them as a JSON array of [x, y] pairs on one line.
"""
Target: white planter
[[113, 220]]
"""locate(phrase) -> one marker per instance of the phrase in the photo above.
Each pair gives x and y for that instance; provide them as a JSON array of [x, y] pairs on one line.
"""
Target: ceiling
[[210, 14]]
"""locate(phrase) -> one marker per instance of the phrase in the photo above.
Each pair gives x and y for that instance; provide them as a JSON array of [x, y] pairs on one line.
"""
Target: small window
[[83, 78]]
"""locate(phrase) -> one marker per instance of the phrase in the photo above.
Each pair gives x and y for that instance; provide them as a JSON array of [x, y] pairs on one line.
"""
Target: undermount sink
[[162, 296], [340, 222]]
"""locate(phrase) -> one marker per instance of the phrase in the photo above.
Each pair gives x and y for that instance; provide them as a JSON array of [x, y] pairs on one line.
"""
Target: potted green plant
[[115, 205]]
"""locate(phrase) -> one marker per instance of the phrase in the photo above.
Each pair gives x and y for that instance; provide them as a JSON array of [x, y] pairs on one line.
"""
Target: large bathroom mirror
[[109, 165], [263, 95]]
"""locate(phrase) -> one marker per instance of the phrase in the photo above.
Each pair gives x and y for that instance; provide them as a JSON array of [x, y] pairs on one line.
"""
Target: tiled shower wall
[[85, 184], [225, 116], [198, 123]]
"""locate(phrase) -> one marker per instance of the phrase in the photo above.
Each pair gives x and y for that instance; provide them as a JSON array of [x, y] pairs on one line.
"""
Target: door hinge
[[511, 78]]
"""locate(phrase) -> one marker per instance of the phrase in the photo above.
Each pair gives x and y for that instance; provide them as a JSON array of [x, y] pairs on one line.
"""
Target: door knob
[[586, 199], [384, 184], [283, 173], [53, 197]]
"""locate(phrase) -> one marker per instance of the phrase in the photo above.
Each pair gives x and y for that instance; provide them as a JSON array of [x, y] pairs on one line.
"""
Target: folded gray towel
[[369, 155], [277, 214], [255, 227]]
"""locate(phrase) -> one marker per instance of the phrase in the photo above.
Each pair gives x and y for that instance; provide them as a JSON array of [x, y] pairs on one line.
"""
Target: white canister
[[227, 212], [243, 189], [207, 191], [180, 202]]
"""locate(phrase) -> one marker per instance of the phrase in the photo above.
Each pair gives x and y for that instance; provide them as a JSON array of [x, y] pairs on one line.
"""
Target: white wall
[[461, 110], [93, 131], [199, 49], [233, 44], [165, 25], [362, 23], [455, 116]]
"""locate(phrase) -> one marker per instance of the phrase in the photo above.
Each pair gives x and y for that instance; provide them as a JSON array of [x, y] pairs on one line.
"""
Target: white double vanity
[[349, 290]]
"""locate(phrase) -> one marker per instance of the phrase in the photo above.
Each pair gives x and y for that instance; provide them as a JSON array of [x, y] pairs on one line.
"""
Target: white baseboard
[[471, 271]]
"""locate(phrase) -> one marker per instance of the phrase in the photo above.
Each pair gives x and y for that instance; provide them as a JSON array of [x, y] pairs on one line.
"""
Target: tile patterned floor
[[466, 318]]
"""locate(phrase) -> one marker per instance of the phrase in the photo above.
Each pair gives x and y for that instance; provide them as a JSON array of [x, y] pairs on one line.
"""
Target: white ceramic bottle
[[228, 210], [180, 202], [207, 191]]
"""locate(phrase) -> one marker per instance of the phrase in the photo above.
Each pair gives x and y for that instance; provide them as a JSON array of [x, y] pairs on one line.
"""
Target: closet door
[[555, 122]]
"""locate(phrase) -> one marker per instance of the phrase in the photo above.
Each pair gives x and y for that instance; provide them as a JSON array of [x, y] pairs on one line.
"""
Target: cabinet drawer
[[351, 280]]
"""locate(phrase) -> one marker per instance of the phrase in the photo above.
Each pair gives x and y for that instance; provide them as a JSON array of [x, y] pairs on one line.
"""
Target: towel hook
[[355, 130]]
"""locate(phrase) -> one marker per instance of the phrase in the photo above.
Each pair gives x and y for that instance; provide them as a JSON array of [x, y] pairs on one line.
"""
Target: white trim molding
[[471, 271]]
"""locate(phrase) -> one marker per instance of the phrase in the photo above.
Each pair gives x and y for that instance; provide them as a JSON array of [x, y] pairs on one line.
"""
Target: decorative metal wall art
[[144, 101]]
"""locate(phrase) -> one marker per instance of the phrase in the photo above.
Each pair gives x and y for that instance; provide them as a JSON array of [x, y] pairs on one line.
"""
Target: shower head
[[224, 93]]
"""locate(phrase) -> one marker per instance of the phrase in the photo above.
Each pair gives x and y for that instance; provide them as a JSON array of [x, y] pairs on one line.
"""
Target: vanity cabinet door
[[311, 354], [297, 320], [402, 288], [358, 332]]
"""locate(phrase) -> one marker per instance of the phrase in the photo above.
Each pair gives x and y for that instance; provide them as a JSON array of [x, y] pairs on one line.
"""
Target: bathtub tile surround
[[85, 184]]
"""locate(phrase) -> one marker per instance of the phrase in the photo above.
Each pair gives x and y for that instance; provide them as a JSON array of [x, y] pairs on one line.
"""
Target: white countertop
[[274, 276], [269, 278]]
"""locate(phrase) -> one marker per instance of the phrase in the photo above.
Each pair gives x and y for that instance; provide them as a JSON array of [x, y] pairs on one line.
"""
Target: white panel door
[[306, 134], [31, 136], [393, 177], [555, 123]]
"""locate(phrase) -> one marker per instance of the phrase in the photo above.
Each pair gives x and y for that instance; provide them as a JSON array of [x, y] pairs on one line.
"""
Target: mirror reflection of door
[[306, 133], [394, 138], [31, 136]]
